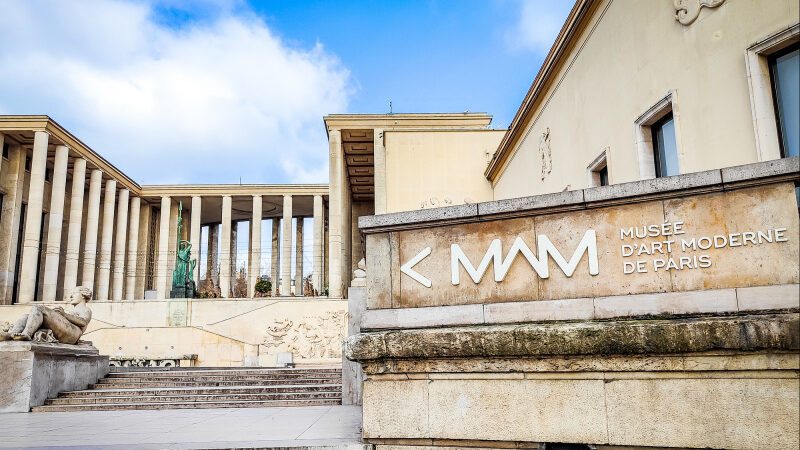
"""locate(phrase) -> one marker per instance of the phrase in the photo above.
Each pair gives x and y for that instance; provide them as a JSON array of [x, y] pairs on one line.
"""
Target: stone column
[[225, 253], [298, 260], [33, 219], [194, 235], [162, 270], [212, 261], [106, 240], [275, 270], [92, 220], [379, 158], [316, 277], [53, 246], [254, 270], [13, 184], [133, 249], [118, 278], [72, 252], [286, 263], [336, 253]]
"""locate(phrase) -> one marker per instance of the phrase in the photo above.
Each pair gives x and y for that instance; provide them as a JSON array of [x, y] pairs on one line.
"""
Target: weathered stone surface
[[419, 216], [759, 209], [423, 317], [31, 372], [759, 298], [774, 167], [691, 302], [722, 412], [352, 374], [395, 410], [517, 205], [653, 186], [379, 281], [517, 410], [744, 333], [567, 309]]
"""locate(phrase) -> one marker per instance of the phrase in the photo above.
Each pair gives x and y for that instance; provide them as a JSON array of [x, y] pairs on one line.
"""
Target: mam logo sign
[[494, 254]]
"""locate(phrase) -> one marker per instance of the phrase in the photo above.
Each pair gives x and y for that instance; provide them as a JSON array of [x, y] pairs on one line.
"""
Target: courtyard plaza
[[335, 427]]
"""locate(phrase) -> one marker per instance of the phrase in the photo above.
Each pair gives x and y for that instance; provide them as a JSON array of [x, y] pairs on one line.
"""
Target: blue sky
[[228, 89]]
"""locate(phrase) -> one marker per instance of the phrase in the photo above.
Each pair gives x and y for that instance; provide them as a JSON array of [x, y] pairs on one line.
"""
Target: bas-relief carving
[[687, 11], [544, 152], [145, 362], [43, 324], [313, 338]]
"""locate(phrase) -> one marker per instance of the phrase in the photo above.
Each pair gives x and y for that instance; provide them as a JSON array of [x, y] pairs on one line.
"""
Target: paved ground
[[309, 426]]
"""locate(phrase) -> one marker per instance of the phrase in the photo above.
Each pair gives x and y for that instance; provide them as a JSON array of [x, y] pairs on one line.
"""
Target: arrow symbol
[[407, 267]]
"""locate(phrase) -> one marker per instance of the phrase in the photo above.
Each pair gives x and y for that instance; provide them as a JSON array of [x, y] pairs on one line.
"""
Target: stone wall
[[221, 332], [474, 336]]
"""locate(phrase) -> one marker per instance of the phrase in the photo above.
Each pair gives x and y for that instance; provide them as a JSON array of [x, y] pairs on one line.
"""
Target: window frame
[[762, 97], [595, 167], [644, 135], [772, 62]]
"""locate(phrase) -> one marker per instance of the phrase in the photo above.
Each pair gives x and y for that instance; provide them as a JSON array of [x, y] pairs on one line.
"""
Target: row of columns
[[281, 268], [91, 258]]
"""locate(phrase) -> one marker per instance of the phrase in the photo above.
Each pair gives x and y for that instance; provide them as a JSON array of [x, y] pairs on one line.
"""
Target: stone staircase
[[176, 388]]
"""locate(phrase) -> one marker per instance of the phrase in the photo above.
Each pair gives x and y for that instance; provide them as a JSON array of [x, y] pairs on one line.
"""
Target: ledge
[[49, 348], [742, 333], [776, 171]]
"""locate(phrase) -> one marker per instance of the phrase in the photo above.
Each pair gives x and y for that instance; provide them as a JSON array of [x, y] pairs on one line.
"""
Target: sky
[[223, 91]]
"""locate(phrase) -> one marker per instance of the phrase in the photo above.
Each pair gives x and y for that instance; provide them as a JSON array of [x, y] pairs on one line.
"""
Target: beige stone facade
[[587, 297]]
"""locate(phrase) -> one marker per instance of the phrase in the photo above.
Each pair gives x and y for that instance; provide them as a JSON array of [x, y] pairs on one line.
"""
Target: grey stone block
[[419, 216], [31, 372], [653, 186], [511, 205], [760, 170]]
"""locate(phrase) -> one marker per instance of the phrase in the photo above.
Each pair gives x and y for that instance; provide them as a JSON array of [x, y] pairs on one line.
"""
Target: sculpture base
[[31, 372]]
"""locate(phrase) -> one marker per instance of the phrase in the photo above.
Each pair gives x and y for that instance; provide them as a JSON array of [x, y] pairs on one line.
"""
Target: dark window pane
[[786, 82], [604, 176], [665, 148], [5, 150]]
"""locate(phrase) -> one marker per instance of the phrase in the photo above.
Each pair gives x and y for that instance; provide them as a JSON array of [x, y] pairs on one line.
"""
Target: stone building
[[69, 217], [626, 274]]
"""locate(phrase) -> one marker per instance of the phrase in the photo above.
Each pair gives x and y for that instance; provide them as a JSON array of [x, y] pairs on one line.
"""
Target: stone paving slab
[[330, 427]]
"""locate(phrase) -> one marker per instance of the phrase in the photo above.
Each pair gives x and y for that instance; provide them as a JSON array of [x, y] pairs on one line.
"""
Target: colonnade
[[109, 234], [49, 263]]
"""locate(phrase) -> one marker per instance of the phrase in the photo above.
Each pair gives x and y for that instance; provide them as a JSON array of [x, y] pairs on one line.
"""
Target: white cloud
[[206, 103], [539, 24]]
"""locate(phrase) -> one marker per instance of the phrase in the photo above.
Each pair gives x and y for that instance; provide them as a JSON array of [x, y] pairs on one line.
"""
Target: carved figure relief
[[544, 152], [687, 11], [314, 337]]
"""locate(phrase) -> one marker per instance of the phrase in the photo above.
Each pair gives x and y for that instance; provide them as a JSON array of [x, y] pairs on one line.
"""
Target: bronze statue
[[67, 327], [183, 276]]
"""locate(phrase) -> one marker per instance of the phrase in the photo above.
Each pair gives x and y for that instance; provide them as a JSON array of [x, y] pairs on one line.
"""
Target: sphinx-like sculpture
[[67, 327]]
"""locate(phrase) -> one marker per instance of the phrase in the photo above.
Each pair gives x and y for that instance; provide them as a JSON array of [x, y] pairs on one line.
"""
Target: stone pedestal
[[352, 374], [31, 372]]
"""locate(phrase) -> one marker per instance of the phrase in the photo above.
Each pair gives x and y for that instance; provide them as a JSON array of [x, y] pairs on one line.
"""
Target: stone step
[[192, 398], [187, 405], [120, 384], [222, 390], [218, 371], [214, 378]]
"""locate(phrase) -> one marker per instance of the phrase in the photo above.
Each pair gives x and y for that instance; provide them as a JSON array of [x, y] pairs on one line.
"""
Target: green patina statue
[[183, 276]]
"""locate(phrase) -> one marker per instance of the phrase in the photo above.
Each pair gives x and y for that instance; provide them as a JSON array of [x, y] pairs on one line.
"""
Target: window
[[658, 138], [48, 174], [5, 150], [27, 163], [665, 150], [598, 170], [772, 76], [603, 176], [784, 70]]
